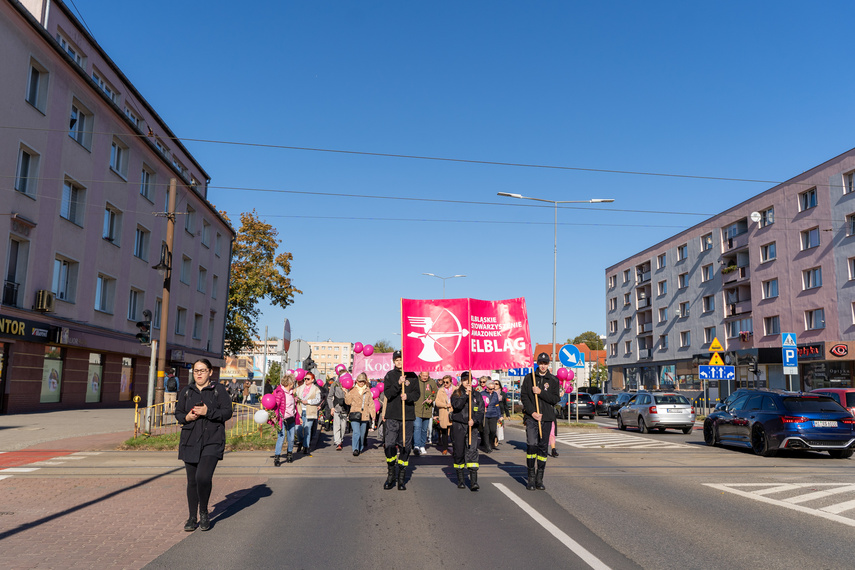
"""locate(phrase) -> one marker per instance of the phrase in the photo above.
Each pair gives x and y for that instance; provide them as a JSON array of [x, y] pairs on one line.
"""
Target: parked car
[[657, 410], [843, 396], [566, 408], [769, 420], [601, 403], [619, 402]]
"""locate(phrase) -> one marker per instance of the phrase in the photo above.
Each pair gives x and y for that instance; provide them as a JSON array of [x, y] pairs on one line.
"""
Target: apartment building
[[327, 354], [87, 162], [782, 261]]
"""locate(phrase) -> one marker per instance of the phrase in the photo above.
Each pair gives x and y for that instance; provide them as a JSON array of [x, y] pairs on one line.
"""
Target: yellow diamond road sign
[[716, 346], [716, 360]]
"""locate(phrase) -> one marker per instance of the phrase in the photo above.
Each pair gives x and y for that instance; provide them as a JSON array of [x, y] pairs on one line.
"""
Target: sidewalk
[[78, 430]]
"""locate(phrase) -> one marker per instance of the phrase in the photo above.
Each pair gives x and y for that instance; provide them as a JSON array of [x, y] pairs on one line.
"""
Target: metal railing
[[163, 422]]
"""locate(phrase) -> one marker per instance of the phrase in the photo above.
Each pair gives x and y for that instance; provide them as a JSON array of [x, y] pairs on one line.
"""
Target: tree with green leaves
[[274, 373], [384, 346], [589, 338], [257, 273]]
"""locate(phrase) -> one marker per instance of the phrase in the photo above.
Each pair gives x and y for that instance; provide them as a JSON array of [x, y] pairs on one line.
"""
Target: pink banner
[[375, 366], [462, 334]]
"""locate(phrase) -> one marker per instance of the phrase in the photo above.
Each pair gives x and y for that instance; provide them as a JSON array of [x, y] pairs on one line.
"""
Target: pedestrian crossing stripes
[[39, 459], [825, 500], [599, 440]]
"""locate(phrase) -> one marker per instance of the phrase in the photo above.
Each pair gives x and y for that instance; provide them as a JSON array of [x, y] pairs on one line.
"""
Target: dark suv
[[568, 410], [619, 402]]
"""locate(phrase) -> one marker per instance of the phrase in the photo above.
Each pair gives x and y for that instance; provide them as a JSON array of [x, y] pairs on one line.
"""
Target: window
[[164, 150], [771, 325], [215, 283], [851, 264], [612, 278], [132, 116], [849, 182], [71, 49], [807, 200], [64, 279], [627, 323], [661, 261], [27, 174], [210, 345], [155, 318], [190, 220], [626, 276], [662, 287], [734, 328], [197, 326], [147, 183], [767, 217], [850, 225], [682, 252], [73, 197], [770, 289], [612, 327], [135, 304], [206, 233], [112, 225], [104, 293], [706, 273], [79, 127], [203, 279], [105, 87], [815, 319], [613, 349], [142, 238], [709, 335], [180, 321], [663, 314], [119, 158], [218, 245], [685, 339], [810, 238], [37, 86], [627, 347], [767, 252], [737, 228], [812, 278], [709, 303], [626, 299], [185, 270], [706, 242], [684, 309], [178, 166], [663, 342], [683, 280], [613, 304]]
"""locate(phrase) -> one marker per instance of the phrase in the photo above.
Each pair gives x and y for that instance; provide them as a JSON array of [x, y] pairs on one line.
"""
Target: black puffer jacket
[[206, 435], [460, 407], [547, 398]]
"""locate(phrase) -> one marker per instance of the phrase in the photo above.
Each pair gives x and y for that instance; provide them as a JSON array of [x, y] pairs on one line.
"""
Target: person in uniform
[[465, 427], [398, 387], [539, 393]]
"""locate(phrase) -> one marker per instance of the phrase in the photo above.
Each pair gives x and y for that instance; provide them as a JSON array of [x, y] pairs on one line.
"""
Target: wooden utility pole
[[165, 258]]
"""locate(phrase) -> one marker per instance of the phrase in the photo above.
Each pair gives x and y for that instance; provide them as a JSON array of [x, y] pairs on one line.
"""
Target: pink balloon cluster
[[301, 374], [346, 381], [365, 349]]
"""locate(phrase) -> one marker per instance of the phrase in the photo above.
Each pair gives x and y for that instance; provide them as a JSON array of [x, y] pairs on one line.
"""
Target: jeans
[[421, 427], [339, 426], [306, 431], [360, 429], [287, 430]]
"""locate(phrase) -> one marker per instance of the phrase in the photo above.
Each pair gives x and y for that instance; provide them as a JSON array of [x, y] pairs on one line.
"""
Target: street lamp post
[[443, 280], [555, 248]]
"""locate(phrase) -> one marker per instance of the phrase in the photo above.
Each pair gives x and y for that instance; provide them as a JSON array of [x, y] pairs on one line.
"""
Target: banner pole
[[470, 406], [536, 400], [403, 385]]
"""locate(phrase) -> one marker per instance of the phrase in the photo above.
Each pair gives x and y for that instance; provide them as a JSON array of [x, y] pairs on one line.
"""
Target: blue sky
[[756, 90]]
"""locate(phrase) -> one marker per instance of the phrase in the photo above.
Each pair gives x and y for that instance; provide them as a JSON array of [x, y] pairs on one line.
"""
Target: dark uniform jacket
[[392, 390], [548, 397], [460, 407], [206, 435]]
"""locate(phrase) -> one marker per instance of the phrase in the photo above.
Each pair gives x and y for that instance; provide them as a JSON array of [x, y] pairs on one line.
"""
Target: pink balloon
[[453, 381], [268, 401], [486, 400], [291, 372], [568, 387], [474, 382], [505, 389], [320, 381], [367, 350], [381, 385], [375, 392], [340, 369], [301, 374], [346, 381], [562, 374], [570, 375], [377, 406], [357, 347]]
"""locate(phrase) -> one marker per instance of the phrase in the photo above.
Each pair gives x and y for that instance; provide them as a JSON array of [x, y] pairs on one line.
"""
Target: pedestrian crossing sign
[[716, 346], [716, 360]]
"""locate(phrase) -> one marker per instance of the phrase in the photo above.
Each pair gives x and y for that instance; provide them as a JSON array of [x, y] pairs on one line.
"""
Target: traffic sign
[[791, 360], [716, 346], [571, 356], [716, 360], [789, 339], [716, 372], [519, 371]]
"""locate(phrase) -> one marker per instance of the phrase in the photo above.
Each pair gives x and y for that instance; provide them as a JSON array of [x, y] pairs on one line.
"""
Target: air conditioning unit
[[45, 301]]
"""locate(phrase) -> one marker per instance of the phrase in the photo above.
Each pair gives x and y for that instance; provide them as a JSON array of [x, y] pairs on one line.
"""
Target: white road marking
[[86, 453], [615, 440], [763, 489], [19, 469], [574, 546], [4, 476], [71, 457]]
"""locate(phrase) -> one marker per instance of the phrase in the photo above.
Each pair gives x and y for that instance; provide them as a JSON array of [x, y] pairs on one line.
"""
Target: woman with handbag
[[362, 411], [443, 406], [308, 399]]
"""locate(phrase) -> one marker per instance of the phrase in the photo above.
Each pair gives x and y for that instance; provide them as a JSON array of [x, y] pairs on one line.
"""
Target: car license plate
[[675, 411], [821, 423]]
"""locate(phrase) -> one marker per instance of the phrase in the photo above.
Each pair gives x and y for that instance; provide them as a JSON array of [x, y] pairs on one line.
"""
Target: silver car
[[657, 410]]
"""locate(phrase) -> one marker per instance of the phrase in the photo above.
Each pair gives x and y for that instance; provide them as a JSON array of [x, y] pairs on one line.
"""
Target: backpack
[[172, 384]]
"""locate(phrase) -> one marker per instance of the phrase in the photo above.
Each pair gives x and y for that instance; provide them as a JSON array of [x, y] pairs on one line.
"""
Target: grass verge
[[169, 442]]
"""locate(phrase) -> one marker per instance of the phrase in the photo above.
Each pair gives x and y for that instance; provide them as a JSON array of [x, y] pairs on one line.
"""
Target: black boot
[[530, 485], [204, 521], [390, 476], [289, 458], [473, 480], [276, 461], [402, 474], [538, 482], [461, 482]]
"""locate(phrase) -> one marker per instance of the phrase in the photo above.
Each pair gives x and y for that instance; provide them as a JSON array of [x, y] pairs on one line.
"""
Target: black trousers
[[395, 444], [199, 483], [490, 431], [537, 445], [465, 456]]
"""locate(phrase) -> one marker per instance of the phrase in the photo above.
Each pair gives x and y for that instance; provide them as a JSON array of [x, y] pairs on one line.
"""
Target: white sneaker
[[423, 450]]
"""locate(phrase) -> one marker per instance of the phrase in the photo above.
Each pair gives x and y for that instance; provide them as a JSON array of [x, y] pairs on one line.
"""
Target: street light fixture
[[555, 250], [443, 280]]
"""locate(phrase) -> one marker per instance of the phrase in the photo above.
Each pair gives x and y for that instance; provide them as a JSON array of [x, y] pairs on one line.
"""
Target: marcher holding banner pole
[[541, 384], [464, 416], [398, 440]]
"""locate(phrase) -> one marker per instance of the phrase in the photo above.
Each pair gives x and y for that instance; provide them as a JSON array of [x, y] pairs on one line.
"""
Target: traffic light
[[144, 336]]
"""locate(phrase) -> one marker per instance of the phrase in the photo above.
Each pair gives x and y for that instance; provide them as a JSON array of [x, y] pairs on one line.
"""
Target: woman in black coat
[[202, 409]]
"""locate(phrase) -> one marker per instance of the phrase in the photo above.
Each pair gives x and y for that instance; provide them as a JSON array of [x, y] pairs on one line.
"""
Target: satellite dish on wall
[[755, 217]]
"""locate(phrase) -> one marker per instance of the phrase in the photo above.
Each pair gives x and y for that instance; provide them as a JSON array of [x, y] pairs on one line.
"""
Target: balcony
[[737, 273], [739, 308], [642, 277], [10, 293], [645, 354], [645, 328], [644, 303], [736, 242]]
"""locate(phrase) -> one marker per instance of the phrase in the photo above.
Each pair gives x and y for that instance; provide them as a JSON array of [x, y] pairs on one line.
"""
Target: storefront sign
[[839, 350], [811, 351], [25, 329]]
